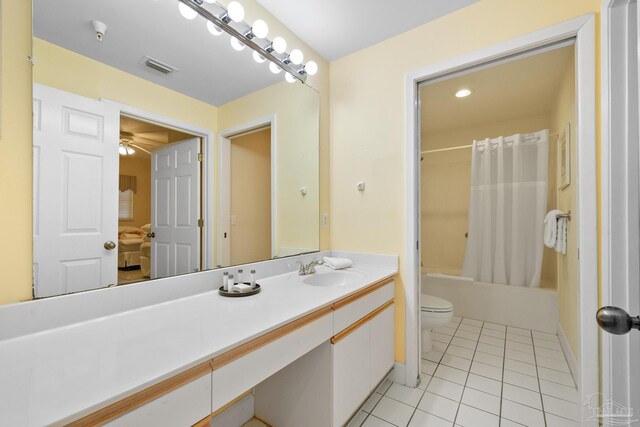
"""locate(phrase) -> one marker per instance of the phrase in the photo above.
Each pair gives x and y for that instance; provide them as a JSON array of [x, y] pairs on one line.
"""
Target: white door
[[175, 209], [75, 192]]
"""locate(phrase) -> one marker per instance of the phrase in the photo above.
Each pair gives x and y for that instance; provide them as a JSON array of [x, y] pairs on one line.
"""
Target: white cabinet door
[[175, 209], [351, 374], [382, 345], [75, 192]]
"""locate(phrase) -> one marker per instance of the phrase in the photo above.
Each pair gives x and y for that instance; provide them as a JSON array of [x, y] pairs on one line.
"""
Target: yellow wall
[[368, 119], [138, 165], [445, 186], [250, 237], [16, 152], [568, 292]]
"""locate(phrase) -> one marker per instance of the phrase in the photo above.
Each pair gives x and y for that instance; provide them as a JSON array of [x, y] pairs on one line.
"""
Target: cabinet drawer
[[355, 310], [184, 406]]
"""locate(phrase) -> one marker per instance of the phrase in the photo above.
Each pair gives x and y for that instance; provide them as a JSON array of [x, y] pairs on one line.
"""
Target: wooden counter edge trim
[[371, 288], [351, 328], [121, 407], [256, 343]]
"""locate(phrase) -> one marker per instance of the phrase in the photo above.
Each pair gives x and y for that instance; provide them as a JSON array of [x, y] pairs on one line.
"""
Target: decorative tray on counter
[[236, 294]]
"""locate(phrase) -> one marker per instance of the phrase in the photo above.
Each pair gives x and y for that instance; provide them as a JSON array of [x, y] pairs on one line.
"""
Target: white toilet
[[434, 312]]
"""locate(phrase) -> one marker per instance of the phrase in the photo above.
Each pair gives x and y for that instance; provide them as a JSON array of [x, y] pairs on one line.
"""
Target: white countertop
[[56, 374]]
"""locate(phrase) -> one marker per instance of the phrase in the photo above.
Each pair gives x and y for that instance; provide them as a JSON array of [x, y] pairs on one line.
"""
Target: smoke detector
[[100, 28]]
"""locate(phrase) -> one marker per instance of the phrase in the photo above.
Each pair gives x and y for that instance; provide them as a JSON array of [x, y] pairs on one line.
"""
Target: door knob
[[616, 321], [151, 235], [109, 245]]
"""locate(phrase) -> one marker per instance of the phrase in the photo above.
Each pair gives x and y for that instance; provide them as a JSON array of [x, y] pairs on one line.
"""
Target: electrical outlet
[[325, 220]]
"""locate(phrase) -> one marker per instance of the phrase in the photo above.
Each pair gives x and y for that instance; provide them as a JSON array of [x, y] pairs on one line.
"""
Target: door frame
[[207, 194], [224, 185], [620, 197], [583, 30]]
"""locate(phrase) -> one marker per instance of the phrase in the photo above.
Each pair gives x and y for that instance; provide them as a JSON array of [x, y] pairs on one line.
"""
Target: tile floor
[[481, 374]]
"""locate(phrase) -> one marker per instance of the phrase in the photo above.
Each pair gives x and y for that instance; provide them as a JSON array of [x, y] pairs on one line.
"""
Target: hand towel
[[337, 263], [561, 237], [551, 228]]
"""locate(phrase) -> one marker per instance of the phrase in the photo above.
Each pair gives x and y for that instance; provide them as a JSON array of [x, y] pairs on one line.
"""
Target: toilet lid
[[431, 303]]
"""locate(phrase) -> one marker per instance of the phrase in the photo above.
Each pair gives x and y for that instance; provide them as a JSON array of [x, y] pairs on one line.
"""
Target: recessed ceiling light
[[463, 93]]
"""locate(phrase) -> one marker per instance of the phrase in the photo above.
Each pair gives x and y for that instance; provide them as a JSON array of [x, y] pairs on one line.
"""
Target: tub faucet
[[310, 268]]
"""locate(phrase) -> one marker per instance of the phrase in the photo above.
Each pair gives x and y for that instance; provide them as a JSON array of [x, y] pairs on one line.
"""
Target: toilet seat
[[431, 304]]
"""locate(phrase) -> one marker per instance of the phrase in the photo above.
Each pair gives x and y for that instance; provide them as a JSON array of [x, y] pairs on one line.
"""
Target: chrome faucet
[[308, 268]]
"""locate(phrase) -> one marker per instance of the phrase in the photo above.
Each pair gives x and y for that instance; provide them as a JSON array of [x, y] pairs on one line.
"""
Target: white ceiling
[[335, 28], [522, 88]]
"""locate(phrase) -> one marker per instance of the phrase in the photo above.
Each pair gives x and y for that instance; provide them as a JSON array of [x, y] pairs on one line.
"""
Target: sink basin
[[332, 278]]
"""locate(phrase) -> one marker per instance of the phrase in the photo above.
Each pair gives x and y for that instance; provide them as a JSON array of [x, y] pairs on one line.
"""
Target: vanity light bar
[[247, 39]]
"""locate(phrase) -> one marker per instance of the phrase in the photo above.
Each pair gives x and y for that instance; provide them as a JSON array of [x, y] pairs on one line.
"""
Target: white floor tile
[[560, 407], [440, 346], [519, 331], [456, 362], [382, 388], [498, 342], [519, 338], [404, 394], [494, 326], [467, 335], [555, 421], [560, 391], [490, 349], [461, 342], [523, 368], [372, 421], [423, 419], [472, 322], [521, 380], [395, 412], [472, 417], [551, 354], [424, 381], [358, 419], [446, 389], [372, 401], [451, 374], [484, 384], [469, 328], [522, 395], [520, 356], [427, 367], [457, 319], [446, 330], [522, 414], [481, 400], [467, 353], [440, 337], [254, 422], [555, 376], [508, 423], [433, 356], [547, 344], [558, 365], [486, 371], [545, 336], [438, 406], [492, 333], [525, 348], [489, 359]]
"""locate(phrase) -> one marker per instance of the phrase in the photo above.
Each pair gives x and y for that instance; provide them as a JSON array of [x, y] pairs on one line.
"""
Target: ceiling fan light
[[186, 11]]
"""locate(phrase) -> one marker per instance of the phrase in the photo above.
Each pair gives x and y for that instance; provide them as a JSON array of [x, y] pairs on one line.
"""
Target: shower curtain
[[507, 209]]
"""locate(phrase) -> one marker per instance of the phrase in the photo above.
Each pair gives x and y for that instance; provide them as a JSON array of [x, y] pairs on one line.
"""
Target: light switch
[[233, 219], [325, 220]]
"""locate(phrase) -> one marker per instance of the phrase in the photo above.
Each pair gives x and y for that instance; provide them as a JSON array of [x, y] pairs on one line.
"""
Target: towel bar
[[565, 215]]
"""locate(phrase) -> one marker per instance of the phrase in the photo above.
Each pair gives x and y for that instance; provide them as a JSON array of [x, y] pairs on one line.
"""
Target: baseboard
[[398, 373], [568, 353], [236, 415]]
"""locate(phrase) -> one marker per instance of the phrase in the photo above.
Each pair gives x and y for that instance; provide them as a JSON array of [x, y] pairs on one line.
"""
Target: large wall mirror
[[160, 150]]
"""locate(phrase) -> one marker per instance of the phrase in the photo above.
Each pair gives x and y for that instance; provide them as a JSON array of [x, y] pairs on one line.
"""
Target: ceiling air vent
[[159, 65]]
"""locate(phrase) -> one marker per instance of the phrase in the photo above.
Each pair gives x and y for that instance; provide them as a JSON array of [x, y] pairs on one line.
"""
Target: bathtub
[[528, 308]]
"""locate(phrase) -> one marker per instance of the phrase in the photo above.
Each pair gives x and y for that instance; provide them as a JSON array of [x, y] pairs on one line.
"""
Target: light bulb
[[463, 93], [311, 68], [237, 45], [274, 68], [258, 58], [122, 150], [213, 28], [186, 11], [279, 44], [235, 11], [130, 150], [260, 29], [296, 56], [288, 77]]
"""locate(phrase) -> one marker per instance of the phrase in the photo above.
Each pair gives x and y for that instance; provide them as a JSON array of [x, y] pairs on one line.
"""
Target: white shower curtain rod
[[438, 150]]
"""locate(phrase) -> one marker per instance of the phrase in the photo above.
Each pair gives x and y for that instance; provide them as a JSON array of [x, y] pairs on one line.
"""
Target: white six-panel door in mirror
[[175, 208], [75, 175]]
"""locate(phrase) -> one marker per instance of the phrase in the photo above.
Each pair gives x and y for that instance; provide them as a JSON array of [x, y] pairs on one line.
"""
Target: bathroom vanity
[[314, 347]]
